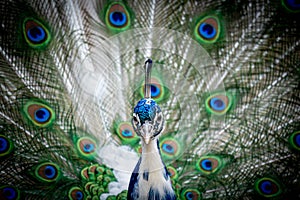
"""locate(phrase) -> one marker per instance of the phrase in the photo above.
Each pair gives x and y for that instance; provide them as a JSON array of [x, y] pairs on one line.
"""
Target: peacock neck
[[151, 155], [153, 175], [151, 147]]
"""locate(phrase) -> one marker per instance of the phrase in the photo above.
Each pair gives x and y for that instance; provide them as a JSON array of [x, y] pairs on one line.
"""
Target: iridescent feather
[[226, 78]]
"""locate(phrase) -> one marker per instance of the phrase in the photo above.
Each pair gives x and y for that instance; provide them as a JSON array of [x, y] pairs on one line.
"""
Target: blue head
[[147, 119]]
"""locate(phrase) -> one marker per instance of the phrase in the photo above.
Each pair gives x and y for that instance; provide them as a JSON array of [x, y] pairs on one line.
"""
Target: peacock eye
[[125, 130], [117, 17], [207, 29], [158, 91], [35, 33], [218, 103], [155, 90], [39, 114], [127, 133], [209, 164], [76, 193], [9, 193], [294, 140], [42, 115], [86, 147], [170, 148], [267, 187], [291, 5], [172, 172], [6, 146], [190, 194], [47, 172]]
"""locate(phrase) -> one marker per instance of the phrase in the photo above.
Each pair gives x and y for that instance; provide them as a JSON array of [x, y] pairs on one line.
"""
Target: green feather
[[225, 75]]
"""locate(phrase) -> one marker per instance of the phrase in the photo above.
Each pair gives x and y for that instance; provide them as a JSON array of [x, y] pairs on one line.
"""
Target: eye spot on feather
[[39, 114], [170, 148], [206, 164], [6, 146], [75, 193], [267, 187], [294, 140], [218, 104], [291, 5], [172, 172], [208, 29], [47, 172], [158, 91], [35, 33], [86, 147], [125, 132], [42, 115], [190, 194], [209, 164], [117, 17], [155, 91], [9, 193]]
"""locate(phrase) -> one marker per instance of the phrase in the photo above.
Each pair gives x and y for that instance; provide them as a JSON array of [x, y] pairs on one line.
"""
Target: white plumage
[[226, 77]]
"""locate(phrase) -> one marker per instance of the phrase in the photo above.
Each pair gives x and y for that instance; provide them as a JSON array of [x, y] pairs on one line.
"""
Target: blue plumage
[[146, 109], [226, 76], [133, 185], [146, 175]]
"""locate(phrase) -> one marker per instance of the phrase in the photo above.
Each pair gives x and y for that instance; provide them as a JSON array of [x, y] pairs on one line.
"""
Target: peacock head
[[147, 119]]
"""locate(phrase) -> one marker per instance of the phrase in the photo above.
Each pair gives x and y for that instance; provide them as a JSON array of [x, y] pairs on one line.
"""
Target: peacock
[[222, 102], [150, 178]]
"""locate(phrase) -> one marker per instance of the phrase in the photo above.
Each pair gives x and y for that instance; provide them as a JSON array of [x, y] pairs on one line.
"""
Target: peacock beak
[[146, 140], [146, 133]]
